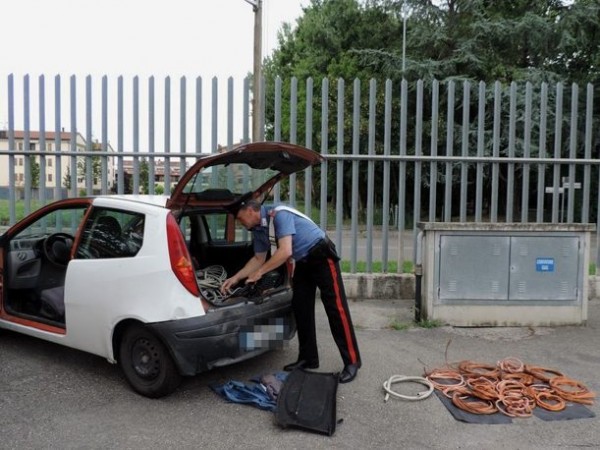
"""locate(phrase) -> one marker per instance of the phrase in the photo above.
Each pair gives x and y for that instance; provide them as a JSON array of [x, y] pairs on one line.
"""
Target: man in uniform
[[316, 265]]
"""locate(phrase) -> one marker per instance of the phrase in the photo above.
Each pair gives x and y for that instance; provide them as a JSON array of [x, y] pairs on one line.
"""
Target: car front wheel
[[147, 364]]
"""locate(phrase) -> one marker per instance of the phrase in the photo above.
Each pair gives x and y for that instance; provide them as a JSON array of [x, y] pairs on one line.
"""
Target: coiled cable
[[209, 282], [511, 387], [387, 386]]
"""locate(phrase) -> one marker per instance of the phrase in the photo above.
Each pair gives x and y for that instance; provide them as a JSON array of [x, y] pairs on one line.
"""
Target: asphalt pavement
[[53, 397]]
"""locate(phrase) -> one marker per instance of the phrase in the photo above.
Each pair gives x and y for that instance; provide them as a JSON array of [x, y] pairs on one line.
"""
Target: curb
[[369, 286]]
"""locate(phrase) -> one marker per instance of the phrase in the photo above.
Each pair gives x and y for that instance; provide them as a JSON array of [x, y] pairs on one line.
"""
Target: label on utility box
[[544, 264]]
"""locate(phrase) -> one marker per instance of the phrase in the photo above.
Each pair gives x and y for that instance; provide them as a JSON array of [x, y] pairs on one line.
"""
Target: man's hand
[[254, 277], [251, 267], [228, 284]]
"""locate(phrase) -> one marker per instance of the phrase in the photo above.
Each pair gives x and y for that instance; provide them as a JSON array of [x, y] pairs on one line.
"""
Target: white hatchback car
[[135, 279]]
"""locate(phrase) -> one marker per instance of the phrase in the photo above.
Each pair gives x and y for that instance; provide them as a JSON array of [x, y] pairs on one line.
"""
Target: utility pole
[[404, 17], [257, 71]]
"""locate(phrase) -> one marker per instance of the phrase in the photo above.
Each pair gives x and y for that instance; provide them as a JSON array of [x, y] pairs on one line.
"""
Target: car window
[[217, 229], [228, 180], [64, 220], [186, 229], [211, 228], [111, 233], [241, 234]]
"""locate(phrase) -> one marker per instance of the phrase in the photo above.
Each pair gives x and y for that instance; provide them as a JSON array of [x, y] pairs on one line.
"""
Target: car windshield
[[233, 178]]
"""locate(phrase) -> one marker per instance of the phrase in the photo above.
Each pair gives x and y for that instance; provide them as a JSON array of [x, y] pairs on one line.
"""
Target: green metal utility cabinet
[[503, 274]]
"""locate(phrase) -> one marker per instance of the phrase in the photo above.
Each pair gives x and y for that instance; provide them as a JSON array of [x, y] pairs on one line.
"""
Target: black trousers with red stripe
[[322, 272]]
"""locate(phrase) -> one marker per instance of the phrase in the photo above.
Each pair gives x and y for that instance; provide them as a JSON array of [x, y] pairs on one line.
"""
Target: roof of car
[[156, 200]]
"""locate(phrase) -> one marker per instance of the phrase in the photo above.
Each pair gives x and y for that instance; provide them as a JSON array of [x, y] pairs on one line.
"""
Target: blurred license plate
[[271, 335]]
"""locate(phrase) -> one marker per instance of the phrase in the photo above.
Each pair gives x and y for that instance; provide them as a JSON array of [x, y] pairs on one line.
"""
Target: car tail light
[[181, 263]]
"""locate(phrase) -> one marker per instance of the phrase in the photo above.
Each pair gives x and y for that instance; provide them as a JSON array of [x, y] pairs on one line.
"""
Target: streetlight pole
[[404, 17], [257, 71]]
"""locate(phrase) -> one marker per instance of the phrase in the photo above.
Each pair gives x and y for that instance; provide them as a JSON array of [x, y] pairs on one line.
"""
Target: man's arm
[[281, 255], [251, 266]]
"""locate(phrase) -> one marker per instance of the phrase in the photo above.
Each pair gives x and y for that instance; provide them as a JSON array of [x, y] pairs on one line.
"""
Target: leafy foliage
[[341, 52]]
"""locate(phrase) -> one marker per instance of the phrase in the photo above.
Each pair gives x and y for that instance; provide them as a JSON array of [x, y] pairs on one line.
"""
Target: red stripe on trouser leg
[[342, 312]]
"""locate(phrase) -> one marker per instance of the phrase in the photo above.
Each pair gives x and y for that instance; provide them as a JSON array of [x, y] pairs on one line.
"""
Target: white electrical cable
[[387, 386], [209, 281]]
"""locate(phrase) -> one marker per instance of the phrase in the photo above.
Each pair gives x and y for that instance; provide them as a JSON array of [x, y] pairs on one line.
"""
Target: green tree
[[35, 172], [489, 40], [578, 50], [324, 45], [67, 178], [478, 40], [144, 172], [96, 166]]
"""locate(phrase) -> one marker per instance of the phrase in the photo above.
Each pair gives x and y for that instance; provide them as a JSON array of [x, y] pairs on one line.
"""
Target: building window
[[20, 161], [49, 146], [31, 146], [49, 178], [20, 178], [20, 146], [49, 161]]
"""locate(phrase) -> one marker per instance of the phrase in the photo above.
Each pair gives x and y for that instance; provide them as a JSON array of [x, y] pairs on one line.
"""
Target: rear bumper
[[228, 335]]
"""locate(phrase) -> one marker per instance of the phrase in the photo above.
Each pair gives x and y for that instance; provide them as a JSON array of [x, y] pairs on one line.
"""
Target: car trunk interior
[[218, 254]]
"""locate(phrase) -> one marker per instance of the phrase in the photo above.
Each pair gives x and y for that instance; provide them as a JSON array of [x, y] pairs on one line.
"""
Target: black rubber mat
[[308, 401], [572, 411]]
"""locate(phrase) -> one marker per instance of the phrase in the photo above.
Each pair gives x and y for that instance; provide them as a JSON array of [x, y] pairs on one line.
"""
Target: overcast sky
[[136, 37], [160, 38]]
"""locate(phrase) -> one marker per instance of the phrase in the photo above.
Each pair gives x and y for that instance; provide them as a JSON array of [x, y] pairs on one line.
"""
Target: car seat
[[53, 303], [108, 238], [109, 225]]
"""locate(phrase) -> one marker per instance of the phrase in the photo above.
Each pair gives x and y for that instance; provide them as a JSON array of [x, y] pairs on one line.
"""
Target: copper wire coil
[[443, 378], [572, 390], [512, 388], [521, 377], [483, 388], [549, 401], [473, 405], [542, 373], [479, 369], [511, 365]]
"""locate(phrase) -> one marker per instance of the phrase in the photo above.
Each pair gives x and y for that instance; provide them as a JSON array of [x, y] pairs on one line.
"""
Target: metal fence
[[396, 152]]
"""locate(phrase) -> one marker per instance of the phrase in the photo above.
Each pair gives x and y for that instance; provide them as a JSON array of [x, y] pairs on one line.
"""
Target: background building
[[56, 170]]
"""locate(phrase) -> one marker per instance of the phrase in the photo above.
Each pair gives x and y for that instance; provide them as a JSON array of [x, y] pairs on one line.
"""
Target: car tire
[[147, 364]]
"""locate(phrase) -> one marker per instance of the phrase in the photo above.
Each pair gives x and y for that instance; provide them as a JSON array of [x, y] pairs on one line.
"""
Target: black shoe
[[302, 364], [349, 373]]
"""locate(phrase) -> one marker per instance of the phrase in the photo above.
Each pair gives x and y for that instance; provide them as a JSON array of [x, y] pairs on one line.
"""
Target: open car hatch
[[225, 178]]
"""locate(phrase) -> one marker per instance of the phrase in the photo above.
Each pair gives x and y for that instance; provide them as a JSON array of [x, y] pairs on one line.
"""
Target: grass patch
[[377, 267], [402, 326], [399, 326], [429, 323], [19, 210]]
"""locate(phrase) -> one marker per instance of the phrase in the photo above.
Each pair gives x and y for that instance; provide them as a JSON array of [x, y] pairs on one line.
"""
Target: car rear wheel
[[147, 364]]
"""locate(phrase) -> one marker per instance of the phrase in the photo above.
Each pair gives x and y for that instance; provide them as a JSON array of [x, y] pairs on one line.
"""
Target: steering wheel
[[57, 248]]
